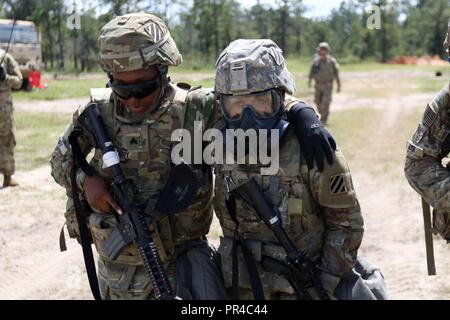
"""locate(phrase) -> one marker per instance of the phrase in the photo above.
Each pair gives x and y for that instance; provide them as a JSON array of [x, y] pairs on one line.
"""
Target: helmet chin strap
[[155, 104], [163, 71]]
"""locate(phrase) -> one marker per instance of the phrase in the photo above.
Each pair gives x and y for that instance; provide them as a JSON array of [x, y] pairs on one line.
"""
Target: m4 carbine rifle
[[300, 270]]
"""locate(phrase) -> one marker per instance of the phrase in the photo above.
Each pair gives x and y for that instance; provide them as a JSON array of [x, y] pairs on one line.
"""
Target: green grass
[[352, 128], [37, 134], [302, 65], [431, 83], [62, 89], [376, 66], [206, 81]]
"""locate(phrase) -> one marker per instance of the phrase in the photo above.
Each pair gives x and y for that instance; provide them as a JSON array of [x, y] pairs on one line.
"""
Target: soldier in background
[[324, 70], [428, 147], [10, 78]]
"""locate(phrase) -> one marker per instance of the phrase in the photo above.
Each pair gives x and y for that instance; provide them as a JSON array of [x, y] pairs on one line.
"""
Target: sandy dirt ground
[[32, 267]]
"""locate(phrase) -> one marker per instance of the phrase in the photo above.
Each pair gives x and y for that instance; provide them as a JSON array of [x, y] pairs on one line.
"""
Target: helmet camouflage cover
[[248, 66], [136, 41]]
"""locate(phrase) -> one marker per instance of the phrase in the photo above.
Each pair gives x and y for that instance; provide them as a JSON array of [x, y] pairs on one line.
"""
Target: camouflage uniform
[[144, 146], [319, 211], [13, 80], [324, 72], [426, 151]]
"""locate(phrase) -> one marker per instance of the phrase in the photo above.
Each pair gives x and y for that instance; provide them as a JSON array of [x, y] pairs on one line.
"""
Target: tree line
[[203, 28]]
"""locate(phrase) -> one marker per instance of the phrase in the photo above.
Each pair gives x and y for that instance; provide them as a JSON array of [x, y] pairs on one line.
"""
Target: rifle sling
[[81, 219], [255, 281]]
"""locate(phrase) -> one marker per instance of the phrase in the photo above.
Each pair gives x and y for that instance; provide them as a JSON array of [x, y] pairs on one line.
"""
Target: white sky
[[314, 8]]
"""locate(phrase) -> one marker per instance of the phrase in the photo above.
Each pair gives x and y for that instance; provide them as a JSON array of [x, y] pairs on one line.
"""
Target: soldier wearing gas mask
[[319, 211]]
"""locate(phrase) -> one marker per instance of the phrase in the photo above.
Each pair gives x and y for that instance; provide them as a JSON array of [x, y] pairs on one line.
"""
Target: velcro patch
[[429, 116], [337, 184], [414, 150]]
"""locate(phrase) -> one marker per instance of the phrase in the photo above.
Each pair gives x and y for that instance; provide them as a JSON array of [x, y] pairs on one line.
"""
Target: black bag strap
[[255, 281], [282, 269], [81, 217]]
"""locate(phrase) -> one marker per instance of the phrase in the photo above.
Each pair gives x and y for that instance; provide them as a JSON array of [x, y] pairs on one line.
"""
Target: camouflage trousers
[[322, 99], [7, 137], [119, 281], [275, 286], [195, 274]]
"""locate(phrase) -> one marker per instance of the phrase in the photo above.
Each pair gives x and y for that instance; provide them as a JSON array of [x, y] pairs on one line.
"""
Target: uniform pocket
[[72, 224], [101, 227], [123, 281]]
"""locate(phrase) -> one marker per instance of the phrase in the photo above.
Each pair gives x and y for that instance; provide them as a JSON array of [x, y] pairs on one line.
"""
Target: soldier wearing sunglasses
[[140, 109]]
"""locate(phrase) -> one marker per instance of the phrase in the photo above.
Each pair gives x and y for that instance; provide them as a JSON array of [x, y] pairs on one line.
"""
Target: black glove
[[314, 139], [2, 74]]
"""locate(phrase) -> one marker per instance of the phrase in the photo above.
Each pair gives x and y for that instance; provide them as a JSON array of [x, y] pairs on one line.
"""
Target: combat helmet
[[136, 41], [252, 65]]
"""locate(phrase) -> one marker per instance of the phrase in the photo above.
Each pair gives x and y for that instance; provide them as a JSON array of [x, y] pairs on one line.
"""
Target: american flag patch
[[337, 184], [429, 116], [155, 32]]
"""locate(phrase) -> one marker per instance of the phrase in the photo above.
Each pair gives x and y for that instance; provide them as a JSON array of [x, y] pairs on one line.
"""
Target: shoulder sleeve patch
[[337, 184], [335, 188]]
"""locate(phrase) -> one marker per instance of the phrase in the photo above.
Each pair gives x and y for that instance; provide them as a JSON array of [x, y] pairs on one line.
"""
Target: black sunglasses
[[138, 90]]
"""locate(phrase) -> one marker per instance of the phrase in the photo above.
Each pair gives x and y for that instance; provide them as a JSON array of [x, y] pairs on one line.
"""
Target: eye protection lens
[[261, 104], [138, 90]]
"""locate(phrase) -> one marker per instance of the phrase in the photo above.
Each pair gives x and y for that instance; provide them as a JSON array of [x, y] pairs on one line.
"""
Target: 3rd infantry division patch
[[337, 184]]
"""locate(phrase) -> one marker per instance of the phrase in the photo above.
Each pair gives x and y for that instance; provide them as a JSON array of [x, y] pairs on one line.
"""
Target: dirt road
[[31, 266]]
